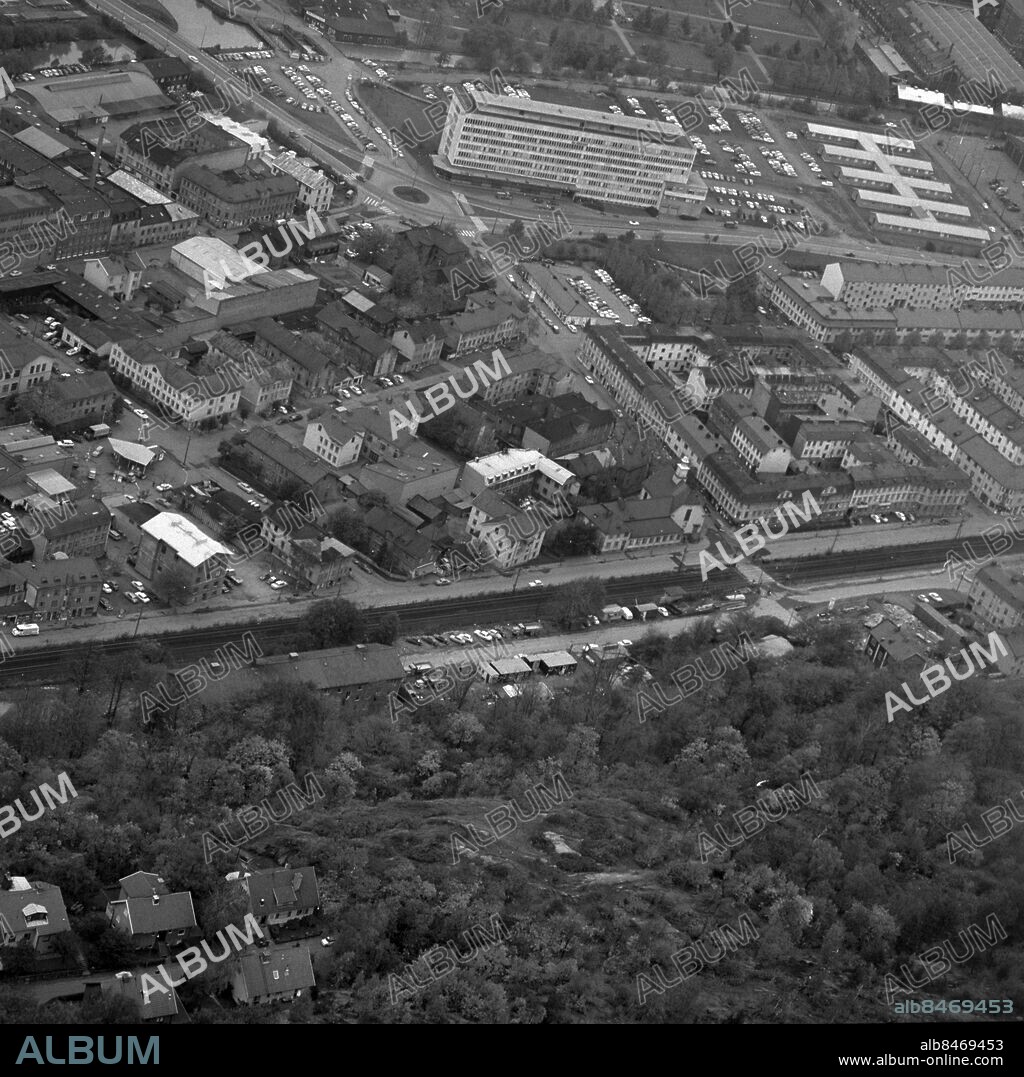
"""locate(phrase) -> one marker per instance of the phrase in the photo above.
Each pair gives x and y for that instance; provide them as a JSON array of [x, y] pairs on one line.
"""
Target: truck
[[99, 430]]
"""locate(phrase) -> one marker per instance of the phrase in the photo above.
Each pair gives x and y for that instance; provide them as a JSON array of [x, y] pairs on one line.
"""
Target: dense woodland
[[841, 892]]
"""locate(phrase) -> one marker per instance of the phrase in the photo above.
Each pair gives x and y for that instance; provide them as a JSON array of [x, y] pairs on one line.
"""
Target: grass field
[[393, 110]]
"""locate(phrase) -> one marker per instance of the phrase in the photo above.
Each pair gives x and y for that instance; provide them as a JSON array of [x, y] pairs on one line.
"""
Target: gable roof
[[28, 900], [274, 971], [160, 912], [281, 890]]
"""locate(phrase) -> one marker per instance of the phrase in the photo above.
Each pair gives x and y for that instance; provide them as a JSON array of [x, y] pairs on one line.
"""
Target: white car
[[536, 583], [246, 487], [141, 414], [278, 584]]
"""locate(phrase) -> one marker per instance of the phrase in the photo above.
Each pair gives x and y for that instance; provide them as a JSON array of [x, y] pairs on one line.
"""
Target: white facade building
[[594, 155]]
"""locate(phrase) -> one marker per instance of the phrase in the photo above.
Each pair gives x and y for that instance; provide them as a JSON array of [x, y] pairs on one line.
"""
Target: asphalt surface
[[46, 663]]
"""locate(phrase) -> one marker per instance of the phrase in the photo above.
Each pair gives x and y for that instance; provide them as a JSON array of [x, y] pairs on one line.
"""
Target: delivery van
[[25, 630]]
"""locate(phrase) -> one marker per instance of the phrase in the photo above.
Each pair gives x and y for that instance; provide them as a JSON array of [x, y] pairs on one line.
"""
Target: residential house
[[553, 426], [178, 556], [397, 543], [149, 915], [508, 534], [644, 523], [303, 354], [192, 397], [418, 344], [32, 912], [162, 1006], [81, 529], [359, 347], [892, 644], [307, 553], [117, 277], [280, 895], [13, 607], [332, 439], [263, 383], [281, 463], [997, 596], [25, 363], [275, 974], [487, 322], [58, 590], [66, 404], [434, 249]]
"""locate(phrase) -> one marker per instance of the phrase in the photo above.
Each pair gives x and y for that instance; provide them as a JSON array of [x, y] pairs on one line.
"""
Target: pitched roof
[[29, 904], [281, 890], [161, 912], [275, 971], [150, 1004]]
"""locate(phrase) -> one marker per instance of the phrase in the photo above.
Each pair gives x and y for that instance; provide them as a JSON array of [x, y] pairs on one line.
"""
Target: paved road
[[390, 171]]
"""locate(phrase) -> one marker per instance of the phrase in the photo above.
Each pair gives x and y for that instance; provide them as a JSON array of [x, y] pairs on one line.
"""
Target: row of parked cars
[[478, 635]]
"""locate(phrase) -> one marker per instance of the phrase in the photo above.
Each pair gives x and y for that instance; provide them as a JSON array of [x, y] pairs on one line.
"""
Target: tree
[[576, 539], [407, 276], [572, 603], [331, 623], [175, 585], [387, 630], [348, 527]]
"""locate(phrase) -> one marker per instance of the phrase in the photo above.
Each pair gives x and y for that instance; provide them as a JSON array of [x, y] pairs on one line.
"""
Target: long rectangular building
[[593, 155]]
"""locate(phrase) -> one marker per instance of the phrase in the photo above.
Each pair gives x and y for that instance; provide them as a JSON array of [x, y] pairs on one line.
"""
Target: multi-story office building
[[591, 155]]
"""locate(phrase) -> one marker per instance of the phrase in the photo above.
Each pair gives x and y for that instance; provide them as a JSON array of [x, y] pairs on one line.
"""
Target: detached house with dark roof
[[149, 915], [271, 975], [32, 912], [163, 1006], [281, 894]]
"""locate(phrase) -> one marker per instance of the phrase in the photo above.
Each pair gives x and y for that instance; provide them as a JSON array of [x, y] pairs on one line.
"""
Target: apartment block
[[997, 595]]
